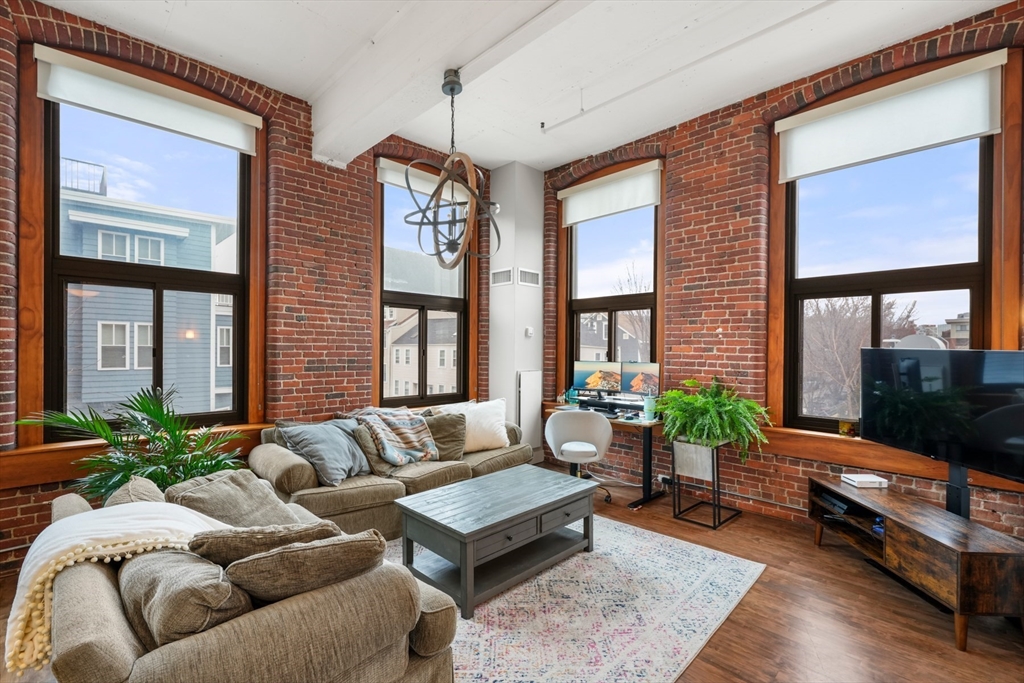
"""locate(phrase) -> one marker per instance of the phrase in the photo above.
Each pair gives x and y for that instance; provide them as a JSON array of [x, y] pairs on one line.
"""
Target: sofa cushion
[[330, 449], [497, 459], [300, 567], [423, 476], [235, 497], [380, 466], [172, 594], [136, 490], [357, 493], [449, 432], [286, 471], [224, 546], [485, 423]]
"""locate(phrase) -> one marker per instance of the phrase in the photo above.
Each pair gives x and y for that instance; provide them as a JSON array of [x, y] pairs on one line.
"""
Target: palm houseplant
[[145, 437], [701, 417]]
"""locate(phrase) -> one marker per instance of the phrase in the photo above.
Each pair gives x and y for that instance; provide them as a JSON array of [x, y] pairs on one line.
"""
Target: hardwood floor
[[814, 615]]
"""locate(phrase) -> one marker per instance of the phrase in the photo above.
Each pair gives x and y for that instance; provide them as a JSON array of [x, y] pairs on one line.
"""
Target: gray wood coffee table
[[487, 534]]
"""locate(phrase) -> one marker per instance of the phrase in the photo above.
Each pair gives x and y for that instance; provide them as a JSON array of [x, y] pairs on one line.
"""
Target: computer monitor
[[594, 375], [641, 378]]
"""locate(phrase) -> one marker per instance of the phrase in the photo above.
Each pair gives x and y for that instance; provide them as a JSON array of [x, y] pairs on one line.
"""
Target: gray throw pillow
[[173, 594], [449, 432], [329, 447], [136, 490], [380, 466], [224, 546], [302, 567], [235, 497]]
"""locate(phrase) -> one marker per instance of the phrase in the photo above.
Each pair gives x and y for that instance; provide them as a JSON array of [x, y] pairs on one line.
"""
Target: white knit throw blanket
[[106, 534]]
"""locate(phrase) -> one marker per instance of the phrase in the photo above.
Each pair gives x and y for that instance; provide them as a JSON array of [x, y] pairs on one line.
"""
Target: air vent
[[529, 277], [501, 277]]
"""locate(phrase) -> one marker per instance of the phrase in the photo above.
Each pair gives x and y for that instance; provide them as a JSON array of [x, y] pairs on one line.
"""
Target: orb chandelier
[[451, 216]]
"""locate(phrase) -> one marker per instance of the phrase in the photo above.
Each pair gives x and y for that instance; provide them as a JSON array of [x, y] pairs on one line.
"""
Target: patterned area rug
[[638, 608]]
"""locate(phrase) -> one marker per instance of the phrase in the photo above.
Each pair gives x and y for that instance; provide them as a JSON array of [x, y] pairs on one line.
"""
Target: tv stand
[[965, 566]]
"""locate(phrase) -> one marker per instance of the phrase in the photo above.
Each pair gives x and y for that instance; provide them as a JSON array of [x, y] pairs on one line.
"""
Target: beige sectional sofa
[[367, 501], [382, 626]]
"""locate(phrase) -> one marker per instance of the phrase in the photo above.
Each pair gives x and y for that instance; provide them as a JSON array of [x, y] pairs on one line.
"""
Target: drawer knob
[[568, 514], [509, 537]]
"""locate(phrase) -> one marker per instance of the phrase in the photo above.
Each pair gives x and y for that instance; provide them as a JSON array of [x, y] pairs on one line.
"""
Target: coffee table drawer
[[577, 509], [498, 541]]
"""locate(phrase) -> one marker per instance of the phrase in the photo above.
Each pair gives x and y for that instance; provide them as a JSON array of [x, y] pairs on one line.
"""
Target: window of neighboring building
[[398, 356], [612, 286], [143, 346], [112, 346], [396, 387], [149, 250], [424, 308], [224, 349], [113, 245]]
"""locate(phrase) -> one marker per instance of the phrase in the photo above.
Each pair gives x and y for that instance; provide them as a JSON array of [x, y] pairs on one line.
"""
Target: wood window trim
[[472, 313], [1001, 326], [563, 277], [32, 256]]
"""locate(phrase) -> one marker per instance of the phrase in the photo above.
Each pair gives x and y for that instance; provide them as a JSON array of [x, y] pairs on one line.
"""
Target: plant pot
[[693, 460]]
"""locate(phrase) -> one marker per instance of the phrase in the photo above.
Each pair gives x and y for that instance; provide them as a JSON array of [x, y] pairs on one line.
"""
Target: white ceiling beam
[[396, 79]]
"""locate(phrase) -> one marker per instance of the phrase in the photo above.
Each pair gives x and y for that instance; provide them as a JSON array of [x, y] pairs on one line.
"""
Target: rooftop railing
[[83, 176]]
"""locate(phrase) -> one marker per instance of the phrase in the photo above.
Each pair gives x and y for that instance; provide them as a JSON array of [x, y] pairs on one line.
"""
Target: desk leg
[[647, 474], [818, 528], [960, 626]]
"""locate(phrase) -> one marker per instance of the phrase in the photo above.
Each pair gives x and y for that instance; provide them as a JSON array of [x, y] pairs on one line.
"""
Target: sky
[[918, 209], [607, 248], [145, 164]]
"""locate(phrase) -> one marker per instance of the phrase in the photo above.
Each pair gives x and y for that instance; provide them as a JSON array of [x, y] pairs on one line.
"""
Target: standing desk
[[646, 429]]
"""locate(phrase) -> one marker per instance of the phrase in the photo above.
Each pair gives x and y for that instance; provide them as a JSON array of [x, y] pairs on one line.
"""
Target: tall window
[[612, 287], [169, 208], [424, 311]]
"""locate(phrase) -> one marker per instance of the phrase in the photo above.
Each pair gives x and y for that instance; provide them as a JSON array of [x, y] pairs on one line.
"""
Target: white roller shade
[[81, 82], [633, 188], [958, 102], [393, 173]]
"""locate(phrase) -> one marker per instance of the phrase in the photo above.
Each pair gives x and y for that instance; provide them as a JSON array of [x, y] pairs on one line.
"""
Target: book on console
[[869, 481]]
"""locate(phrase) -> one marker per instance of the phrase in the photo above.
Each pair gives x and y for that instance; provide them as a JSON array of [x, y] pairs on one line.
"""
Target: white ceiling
[[598, 74]]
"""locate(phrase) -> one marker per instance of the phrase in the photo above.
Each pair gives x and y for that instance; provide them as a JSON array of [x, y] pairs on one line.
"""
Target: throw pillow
[[449, 432], [485, 424], [380, 466], [172, 594], [301, 567], [224, 546], [235, 497], [329, 447], [136, 490]]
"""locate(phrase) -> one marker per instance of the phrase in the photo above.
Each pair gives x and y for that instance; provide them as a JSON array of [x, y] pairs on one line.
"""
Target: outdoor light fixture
[[190, 334], [449, 215]]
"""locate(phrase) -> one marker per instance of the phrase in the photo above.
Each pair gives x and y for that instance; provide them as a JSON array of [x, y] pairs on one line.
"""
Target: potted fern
[[145, 437], [711, 416]]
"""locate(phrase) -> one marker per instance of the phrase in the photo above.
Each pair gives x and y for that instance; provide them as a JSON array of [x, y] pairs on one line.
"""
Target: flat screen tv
[[959, 406]]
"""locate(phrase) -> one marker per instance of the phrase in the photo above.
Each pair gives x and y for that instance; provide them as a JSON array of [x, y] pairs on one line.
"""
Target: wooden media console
[[965, 566]]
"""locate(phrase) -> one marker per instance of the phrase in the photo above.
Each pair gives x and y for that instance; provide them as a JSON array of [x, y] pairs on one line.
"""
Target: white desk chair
[[578, 437]]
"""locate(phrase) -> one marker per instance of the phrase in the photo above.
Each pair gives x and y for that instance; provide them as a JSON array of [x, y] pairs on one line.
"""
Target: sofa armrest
[[314, 636], [515, 434], [282, 468], [67, 505], [438, 621]]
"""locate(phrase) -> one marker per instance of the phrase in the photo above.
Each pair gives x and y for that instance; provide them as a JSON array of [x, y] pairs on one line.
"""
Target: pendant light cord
[[451, 150]]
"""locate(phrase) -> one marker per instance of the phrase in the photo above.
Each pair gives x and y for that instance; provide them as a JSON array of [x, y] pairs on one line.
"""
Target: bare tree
[[833, 332], [635, 322]]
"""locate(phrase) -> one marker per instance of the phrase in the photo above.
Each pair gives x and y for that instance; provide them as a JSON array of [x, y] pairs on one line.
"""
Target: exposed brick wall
[[320, 244], [716, 220]]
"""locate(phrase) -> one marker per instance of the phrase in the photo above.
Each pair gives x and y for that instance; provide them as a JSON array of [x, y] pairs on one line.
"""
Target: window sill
[[856, 452], [55, 462]]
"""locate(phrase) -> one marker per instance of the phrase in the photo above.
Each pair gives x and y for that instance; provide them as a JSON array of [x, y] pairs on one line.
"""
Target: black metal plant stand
[[716, 498]]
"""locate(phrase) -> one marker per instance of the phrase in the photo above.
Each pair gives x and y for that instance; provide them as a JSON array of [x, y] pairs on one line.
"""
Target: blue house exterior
[[109, 329]]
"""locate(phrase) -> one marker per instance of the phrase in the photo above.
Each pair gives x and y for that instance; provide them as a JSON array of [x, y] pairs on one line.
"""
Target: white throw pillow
[[485, 423]]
